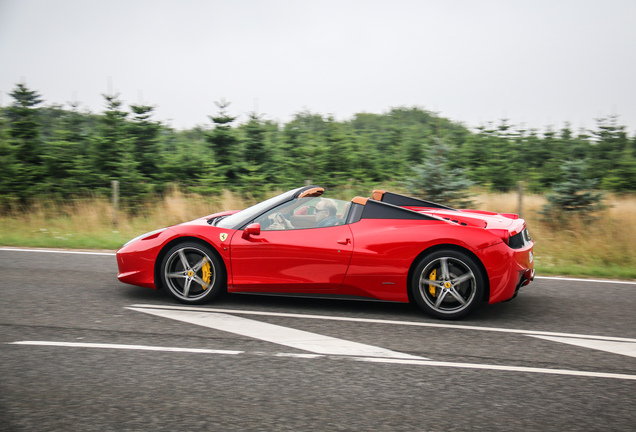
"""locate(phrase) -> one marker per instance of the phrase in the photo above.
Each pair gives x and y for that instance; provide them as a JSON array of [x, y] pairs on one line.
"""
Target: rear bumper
[[508, 270], [525, 278]]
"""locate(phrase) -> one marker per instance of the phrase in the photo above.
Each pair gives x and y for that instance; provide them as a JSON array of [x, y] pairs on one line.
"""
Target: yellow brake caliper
[[432, 276], [206, 275]]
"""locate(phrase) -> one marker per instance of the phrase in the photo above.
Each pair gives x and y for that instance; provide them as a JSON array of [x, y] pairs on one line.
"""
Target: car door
[[299, 260]]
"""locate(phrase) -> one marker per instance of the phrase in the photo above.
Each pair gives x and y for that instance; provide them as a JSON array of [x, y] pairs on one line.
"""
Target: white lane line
[[558, 278], [125, 347], [58, 251], [394, 361], [304, 356], [623, 348], [280, 335], [381, 321], [503, 368]]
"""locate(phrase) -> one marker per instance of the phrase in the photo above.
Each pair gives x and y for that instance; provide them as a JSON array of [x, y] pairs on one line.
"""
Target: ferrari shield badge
[[223, 236]]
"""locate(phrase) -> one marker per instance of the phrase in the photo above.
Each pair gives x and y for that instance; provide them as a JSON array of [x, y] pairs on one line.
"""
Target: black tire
[[192, 273], [447, 284]]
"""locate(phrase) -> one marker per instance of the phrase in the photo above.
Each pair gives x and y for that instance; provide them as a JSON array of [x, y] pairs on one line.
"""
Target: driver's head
[[325, 209]]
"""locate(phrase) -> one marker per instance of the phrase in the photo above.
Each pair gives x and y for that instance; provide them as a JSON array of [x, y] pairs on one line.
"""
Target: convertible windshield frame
[[239, 220]]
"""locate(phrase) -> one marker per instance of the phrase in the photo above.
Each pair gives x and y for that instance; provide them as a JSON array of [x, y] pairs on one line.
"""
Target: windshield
[[303, 213], [237, 220]]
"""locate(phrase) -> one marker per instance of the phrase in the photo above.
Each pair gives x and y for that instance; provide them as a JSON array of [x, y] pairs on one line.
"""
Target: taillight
[[519, 240], [503, 233]]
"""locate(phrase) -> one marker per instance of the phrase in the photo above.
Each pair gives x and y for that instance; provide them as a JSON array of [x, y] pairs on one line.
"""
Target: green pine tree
[[210, 180], [574, 195], [256, 154], [112, 140], [63, 152], [114, 155], [224, 142], [252, 182], [146, 142], [332, 163], [609, 139], [623, 177], [254, 141], [297, 150], [8, 166], [24, 133], [435, 181]]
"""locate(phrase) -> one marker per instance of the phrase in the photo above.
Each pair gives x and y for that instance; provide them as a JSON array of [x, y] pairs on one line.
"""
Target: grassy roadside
[[604, 249], [94, 225]]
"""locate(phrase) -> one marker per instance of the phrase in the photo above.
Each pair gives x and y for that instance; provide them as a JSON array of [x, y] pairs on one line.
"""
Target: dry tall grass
[[95, 224], [177, 207], [604, 246]]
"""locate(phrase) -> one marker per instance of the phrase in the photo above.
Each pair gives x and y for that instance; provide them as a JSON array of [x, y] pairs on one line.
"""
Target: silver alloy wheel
[[447, 285], [189, 273]]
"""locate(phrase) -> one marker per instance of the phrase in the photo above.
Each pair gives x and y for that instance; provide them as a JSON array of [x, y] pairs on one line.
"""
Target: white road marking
[[125, 347], [294, 355], [623, 348], [280, 335], [504, 368], [58, 251], [558, 278], [395, 361], [381, 321]]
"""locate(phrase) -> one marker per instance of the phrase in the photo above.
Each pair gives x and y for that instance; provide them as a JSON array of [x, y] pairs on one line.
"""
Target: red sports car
[[387, 247]]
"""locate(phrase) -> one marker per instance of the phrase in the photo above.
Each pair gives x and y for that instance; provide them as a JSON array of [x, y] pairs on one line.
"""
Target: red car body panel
[[371, 257], [305, 260]]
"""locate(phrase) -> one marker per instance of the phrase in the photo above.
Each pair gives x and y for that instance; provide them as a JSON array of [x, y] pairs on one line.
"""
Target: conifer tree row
[[52, 151]]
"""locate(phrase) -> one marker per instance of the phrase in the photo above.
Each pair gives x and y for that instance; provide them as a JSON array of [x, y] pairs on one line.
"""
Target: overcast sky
[[533, 62]]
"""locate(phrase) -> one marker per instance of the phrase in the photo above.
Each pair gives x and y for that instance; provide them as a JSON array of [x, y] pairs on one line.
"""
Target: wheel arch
[[447, 246], [171, 243]]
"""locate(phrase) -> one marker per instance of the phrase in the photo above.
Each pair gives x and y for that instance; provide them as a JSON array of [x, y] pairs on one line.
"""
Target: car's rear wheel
[[447, 284], [192, 273]]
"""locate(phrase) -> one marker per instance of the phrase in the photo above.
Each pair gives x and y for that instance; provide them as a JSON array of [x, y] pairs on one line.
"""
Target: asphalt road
[[80, 351]]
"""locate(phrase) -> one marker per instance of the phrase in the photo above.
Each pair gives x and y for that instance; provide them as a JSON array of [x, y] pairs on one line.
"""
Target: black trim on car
[[519, 240], [355, 213], [382, 210], [406, 201]]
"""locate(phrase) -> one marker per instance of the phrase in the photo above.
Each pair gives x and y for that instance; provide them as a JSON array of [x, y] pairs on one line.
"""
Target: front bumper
[[136, 260]]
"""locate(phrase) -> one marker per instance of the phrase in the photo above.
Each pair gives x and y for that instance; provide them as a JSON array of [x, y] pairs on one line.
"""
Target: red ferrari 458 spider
[[388, 247]]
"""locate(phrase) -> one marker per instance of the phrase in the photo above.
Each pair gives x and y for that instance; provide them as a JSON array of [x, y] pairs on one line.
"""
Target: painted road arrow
[[299, 339]]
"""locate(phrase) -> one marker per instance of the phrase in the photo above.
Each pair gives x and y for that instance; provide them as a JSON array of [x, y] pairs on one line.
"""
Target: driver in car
[[326, 213]]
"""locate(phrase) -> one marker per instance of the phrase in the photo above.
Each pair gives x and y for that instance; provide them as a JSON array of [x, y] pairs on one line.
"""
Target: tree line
[[66, 152]]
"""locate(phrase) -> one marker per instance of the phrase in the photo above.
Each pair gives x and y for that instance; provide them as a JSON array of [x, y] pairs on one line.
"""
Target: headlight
[[144, 236]]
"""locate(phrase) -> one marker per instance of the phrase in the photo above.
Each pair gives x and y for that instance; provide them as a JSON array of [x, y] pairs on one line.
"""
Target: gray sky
[[533, 62]]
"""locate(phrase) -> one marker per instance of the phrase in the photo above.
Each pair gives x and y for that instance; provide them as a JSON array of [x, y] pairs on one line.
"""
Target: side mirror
[[251, 229]]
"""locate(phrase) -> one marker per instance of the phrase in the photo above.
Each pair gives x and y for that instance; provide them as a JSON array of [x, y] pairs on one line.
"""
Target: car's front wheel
[[192, 273], [447, 284]]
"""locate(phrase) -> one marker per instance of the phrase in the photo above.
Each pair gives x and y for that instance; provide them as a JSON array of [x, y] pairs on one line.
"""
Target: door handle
[[344, 242]]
